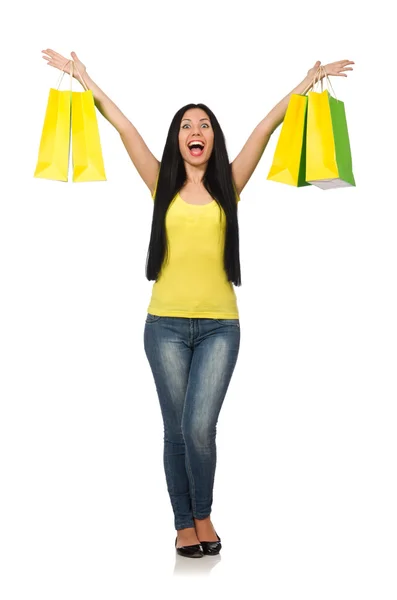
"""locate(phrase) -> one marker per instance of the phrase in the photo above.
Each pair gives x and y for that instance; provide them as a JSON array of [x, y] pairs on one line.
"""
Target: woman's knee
[[199, 434]]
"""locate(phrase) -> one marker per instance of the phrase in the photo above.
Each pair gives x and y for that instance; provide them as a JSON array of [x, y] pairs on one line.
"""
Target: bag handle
[[71, 75], [314, 83], [328, 81]]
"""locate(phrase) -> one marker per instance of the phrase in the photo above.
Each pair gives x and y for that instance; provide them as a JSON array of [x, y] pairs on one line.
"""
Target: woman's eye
[[187, 125]]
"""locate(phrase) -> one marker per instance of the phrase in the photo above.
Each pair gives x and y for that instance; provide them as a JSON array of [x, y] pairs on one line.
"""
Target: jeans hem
[[202, 515], [184, 525]]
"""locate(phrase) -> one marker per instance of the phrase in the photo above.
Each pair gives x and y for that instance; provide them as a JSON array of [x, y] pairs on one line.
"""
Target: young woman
[[192, 329]]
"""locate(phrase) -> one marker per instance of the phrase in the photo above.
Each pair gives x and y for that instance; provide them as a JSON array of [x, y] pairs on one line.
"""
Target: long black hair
[[218, 182]]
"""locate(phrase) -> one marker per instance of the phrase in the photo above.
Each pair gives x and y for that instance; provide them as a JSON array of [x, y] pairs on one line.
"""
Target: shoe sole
[[189, 555]]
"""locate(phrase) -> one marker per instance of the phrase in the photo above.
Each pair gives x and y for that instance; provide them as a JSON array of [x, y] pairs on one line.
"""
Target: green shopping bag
[[328, 153]]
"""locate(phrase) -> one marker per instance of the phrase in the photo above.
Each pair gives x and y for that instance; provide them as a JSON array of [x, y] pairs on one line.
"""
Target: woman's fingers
[[338, 68], [61, 65], [61, 62], [56, 58], [52, 53], [339, 65]]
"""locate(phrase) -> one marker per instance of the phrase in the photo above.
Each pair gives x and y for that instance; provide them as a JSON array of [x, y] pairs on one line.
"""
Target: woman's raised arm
[[145, 162]]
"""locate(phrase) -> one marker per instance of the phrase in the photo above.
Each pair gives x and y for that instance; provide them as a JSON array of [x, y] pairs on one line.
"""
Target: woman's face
[[196, 127]]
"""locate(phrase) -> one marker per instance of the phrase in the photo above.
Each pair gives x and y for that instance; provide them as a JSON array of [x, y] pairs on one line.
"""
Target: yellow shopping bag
[[87, 156], [53, 156], [289, 158], [328, 158]]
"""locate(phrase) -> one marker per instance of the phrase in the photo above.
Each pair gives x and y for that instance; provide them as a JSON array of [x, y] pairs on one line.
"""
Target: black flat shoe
[[212, 548], [193, 551]]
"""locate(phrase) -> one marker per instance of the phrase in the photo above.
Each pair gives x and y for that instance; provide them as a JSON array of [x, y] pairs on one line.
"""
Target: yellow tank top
[[193, 282]]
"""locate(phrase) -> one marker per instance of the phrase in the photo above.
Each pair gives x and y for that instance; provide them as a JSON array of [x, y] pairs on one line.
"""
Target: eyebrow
[[204, 119]]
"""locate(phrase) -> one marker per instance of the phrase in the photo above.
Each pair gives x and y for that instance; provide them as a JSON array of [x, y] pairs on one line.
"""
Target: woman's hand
[[63, 64], [336, 68]]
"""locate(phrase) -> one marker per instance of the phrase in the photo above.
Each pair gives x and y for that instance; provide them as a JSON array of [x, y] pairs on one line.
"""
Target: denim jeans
[[192, 361]]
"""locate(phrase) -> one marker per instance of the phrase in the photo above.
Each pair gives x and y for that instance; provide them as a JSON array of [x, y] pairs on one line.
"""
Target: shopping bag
[[87, 156], [53, 156], [289, 164], [328, 153]]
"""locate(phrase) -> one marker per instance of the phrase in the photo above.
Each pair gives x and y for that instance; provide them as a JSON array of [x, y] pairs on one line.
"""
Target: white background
[[305, 487]]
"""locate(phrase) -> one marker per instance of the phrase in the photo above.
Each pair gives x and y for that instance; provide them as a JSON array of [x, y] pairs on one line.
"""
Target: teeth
[[200, 143]]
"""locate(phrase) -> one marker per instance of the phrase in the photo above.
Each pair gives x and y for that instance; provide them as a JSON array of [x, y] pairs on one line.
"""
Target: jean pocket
[[235, 322], [152, 318]]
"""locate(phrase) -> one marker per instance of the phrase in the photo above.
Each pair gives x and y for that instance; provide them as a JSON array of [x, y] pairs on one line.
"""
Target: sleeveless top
[[193, 282]]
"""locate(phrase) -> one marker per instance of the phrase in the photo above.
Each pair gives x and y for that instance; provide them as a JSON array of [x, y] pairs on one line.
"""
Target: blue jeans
[[192, 361]]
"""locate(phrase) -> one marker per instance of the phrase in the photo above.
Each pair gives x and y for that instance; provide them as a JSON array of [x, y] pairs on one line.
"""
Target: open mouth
[[196, 148]]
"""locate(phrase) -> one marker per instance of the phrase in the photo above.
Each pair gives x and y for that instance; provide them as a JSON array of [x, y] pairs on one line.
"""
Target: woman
[[192, 329]]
